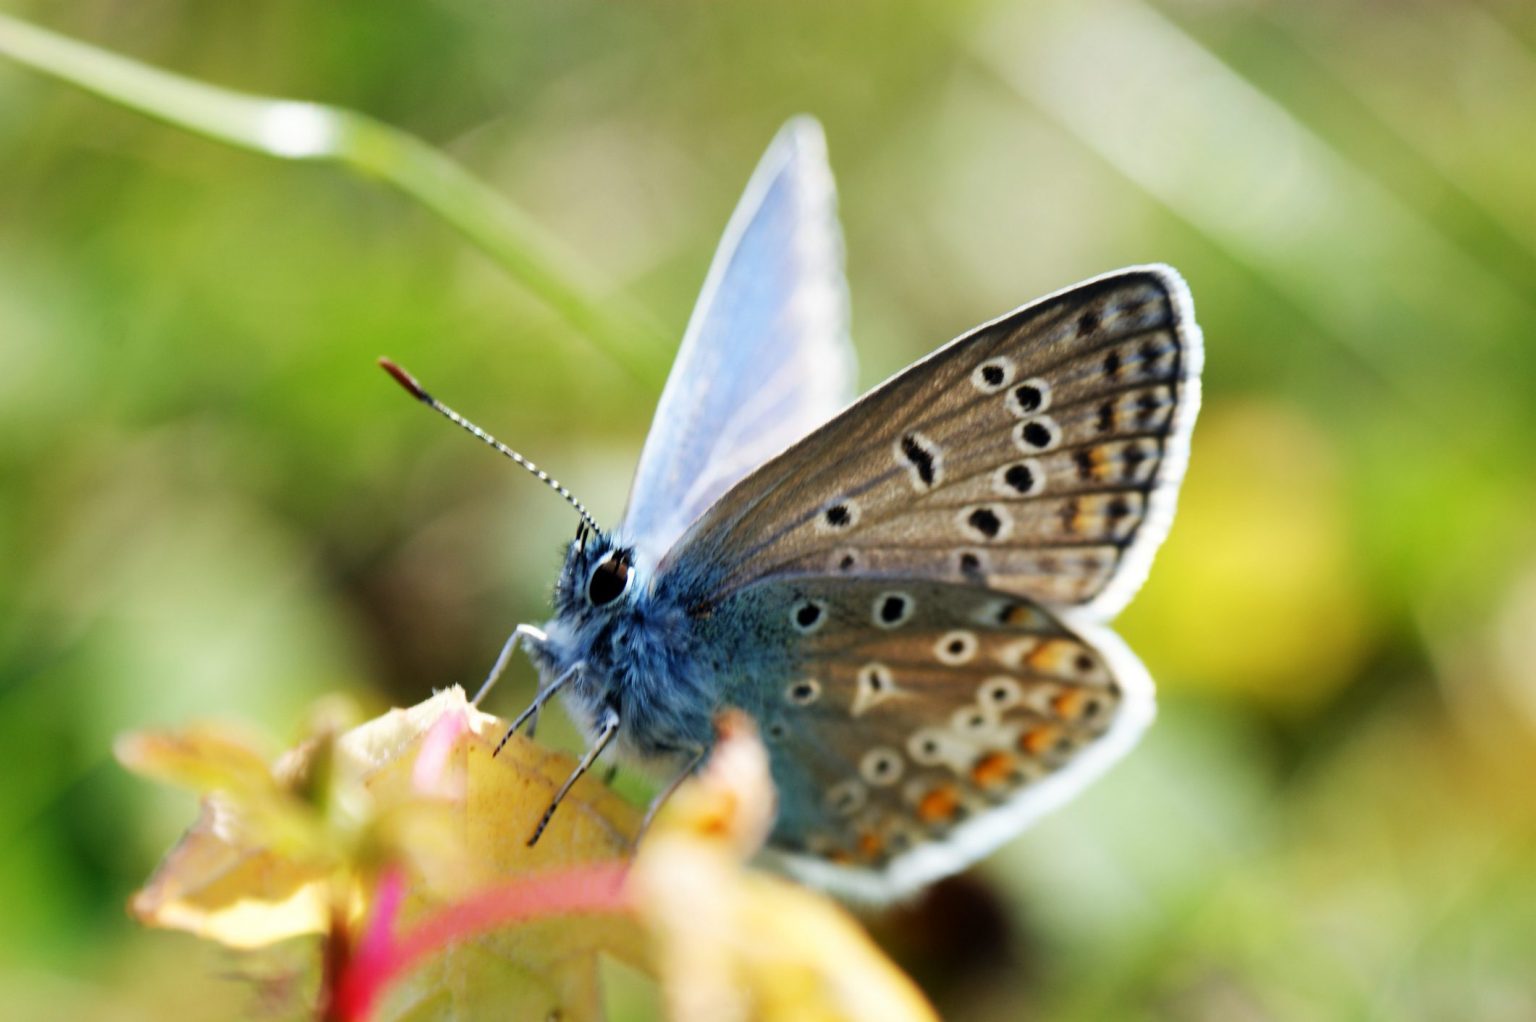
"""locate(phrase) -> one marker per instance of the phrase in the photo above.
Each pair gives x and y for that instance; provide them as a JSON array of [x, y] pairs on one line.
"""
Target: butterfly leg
[[608, 727], [538, 701], [695, 757], [505, 656]]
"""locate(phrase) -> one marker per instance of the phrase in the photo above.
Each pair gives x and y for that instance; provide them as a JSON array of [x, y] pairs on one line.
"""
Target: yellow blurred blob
[[1257, 590]]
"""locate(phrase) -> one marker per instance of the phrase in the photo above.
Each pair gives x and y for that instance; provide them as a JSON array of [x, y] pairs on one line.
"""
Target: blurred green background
[[212, 504]]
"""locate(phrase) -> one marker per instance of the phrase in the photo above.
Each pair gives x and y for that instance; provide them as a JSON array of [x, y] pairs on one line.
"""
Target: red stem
[[380, 959]]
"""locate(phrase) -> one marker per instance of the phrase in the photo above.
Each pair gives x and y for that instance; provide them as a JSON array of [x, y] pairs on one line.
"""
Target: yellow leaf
[[417, 787], [538, 969], [253, 868], [219, 887]]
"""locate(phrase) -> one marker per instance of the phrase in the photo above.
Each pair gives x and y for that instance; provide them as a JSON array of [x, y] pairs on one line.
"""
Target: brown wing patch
[[971, 698], [1026, 456]]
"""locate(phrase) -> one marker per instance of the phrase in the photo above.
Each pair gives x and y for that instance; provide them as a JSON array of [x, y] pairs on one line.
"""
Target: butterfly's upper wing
[[915, 725], [766, 356], [1039, 455]]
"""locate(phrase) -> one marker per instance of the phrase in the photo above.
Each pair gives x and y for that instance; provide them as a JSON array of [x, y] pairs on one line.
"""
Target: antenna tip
[[405, 380]]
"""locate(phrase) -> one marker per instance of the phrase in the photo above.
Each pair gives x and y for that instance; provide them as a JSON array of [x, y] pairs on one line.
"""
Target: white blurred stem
[[294, 130]]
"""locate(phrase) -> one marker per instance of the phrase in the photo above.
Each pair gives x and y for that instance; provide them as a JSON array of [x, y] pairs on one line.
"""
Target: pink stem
[[380, 960]]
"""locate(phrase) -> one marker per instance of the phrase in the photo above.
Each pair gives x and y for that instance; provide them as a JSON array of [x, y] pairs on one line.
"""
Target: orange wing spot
[[1022, 615], [939, 805], [1069, 705], [870, 845], [1046, 657], [993, 768], [1038, 741], [1092, 463]]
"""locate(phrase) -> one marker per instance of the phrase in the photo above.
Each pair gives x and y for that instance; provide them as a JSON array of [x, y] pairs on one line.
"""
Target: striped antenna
[[414, 389]]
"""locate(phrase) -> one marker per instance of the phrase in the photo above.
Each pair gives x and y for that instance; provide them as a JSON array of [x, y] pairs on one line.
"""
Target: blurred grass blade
[[294, 130]]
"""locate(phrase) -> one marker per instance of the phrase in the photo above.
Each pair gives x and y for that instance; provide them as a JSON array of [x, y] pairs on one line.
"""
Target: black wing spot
[[1087, 323], [1020, 478], [1118, 509], [985, 521], [920, 457], [1028, 397], [1147, 407], [1036, 434], [838, 516], [804, 692], [1106, 417], [807, 614], [992, 375], [1112, 364], [1132, 459], [970, 564], [1084, 460], [1069, 514], [892, 610]]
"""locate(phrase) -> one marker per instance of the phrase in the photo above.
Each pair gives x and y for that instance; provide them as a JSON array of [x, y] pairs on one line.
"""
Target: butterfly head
[[598, 578]]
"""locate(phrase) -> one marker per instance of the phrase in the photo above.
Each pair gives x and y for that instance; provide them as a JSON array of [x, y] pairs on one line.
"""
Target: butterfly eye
[[609, 579]]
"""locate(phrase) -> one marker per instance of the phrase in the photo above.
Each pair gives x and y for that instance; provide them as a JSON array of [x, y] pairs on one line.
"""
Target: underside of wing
[[1039, 455], [766, 356], [925, 723]]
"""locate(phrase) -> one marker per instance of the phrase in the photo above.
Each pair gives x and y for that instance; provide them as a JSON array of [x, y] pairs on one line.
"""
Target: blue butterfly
[[906, 592]]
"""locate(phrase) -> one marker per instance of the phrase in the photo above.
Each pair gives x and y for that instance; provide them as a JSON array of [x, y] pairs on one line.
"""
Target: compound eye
[[609, 579]]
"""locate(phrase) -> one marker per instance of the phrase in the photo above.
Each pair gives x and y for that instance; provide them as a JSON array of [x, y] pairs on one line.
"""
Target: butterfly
[[908, 592]]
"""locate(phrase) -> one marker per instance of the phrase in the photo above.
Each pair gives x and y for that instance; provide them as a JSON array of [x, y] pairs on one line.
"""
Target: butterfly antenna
[[415, 389]]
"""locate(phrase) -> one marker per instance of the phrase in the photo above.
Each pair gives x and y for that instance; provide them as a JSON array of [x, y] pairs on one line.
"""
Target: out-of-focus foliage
[[361, 836], [402, 844], [211, 504]]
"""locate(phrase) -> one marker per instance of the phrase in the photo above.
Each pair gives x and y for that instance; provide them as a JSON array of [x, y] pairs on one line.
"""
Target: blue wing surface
[[766, 356]]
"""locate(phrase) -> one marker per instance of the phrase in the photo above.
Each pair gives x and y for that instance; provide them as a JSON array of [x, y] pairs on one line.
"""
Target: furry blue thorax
[[655, 652]]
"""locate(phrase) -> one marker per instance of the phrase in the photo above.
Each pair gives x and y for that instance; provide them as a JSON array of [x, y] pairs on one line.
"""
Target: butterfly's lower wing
[[916, 725], [1039, 454]]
